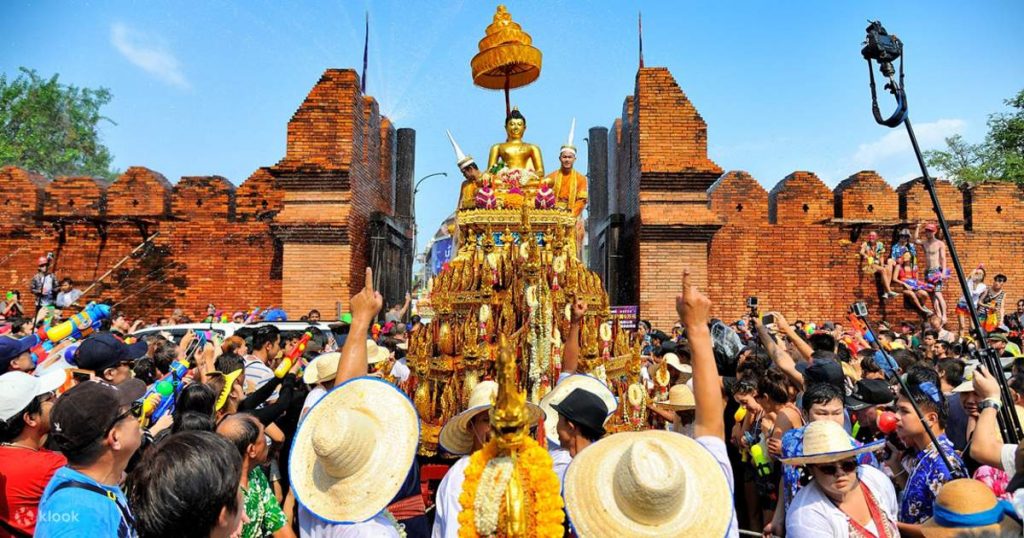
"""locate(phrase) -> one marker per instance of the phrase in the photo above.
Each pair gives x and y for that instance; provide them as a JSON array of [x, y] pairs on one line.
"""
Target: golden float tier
[[507, 58]]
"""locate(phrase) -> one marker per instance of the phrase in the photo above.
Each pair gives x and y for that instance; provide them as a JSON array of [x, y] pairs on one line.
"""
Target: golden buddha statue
[[514, 152]]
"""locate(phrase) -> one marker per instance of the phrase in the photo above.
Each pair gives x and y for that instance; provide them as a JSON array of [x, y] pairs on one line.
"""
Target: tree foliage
[[53, 128], [1000, 157]]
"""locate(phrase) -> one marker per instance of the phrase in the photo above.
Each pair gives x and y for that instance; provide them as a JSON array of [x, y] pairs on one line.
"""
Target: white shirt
[[259, 374], [561, 459], [312, 398], [311, 526], [812, 514], [1008, 455], [446, 521], [717, 449], [400, 371]]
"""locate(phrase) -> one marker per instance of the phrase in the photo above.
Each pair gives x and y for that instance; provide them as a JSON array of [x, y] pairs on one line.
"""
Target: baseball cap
[[88, 410], [17, 389], [43, 260], [931, 227], [104, 350], [11, 347], [825, 371], [584, 408], [868, 392]]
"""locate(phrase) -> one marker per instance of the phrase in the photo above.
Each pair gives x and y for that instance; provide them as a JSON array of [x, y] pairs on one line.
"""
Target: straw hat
[[354, 450], [826, 442], [588, 383], [455, 436], [323, 368], [375, 353], [680, 398], [647, 484], [673, 360], [966, 507]]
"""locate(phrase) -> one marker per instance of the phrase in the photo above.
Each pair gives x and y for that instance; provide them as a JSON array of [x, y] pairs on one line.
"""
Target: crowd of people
[[780, 428]]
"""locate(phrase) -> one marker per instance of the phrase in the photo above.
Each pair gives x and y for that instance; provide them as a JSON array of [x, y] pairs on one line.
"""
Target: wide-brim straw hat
[[685, 370], [680, 398], [647, 484], [322, 368], [967, 497], [455, 436], [354, 450], [827, 442], [375, 353], [588, 383]]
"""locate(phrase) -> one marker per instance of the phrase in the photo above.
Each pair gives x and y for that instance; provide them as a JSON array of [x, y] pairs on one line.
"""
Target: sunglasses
[[117, 420], [129, 363], [832, 469]]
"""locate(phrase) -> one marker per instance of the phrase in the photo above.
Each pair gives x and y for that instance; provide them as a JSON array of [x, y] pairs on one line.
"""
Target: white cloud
[[896, 142], [152, 57]]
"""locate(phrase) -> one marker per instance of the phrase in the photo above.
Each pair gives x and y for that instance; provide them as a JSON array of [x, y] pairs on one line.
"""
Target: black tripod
[[884, 48]]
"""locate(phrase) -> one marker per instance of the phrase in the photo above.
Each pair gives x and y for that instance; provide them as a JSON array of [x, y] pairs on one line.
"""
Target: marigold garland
[[534, 468]]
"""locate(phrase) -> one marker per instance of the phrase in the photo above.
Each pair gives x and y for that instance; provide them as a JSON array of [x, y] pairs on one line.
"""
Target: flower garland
[[532, 465], [399, 527], [487, 505]]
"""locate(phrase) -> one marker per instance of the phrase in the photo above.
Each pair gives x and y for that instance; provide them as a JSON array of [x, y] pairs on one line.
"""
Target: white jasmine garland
[[400, 527], [487, 504]]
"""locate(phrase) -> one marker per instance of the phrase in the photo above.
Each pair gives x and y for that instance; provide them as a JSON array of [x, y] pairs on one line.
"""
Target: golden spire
[[508, 417], [507, 58]]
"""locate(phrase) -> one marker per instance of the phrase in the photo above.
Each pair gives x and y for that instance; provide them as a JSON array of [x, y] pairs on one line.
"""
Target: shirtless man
[[935, 265]]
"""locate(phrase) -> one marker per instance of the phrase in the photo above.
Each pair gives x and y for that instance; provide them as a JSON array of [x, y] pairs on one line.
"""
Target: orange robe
[[570, 190]]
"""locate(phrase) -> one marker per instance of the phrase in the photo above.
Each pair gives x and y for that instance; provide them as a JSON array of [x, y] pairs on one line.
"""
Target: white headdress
[[568, 145], [461, 159]]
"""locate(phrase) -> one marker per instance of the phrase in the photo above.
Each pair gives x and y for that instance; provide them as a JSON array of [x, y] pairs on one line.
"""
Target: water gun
[[167, 387], [762, 464], [253, 315], [76, 327], [290, 359], [862, 328]]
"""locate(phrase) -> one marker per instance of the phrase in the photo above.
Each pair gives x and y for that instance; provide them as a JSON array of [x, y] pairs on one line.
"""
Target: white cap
[[461, 159], [568, 145], [18, 388]]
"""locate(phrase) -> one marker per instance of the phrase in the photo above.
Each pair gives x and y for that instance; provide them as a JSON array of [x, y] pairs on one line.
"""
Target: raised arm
[[779, 356], [570, 359], [365, 306], [799, 343], [694, 309], [987, 445], [405, 306]]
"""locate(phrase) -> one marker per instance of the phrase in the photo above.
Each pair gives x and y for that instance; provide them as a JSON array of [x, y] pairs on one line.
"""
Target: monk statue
[[570, 186], [514, 152]]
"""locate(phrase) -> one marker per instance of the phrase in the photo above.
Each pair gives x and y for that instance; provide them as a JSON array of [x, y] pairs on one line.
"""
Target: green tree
[[1000, 157], [53, 128]]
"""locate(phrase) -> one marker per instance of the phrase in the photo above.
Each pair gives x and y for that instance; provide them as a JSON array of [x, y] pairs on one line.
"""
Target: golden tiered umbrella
[[507, 58]]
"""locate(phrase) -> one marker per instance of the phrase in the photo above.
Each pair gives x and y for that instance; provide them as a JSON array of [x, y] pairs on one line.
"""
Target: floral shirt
[[265, 515], [928, 475], [793, 446], [995, 479]]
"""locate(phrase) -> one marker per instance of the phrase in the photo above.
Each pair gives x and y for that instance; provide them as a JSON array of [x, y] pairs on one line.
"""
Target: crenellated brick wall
[[282, 238], [795, 247]]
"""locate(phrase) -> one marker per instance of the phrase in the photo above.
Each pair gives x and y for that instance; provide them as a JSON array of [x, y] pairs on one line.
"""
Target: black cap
[[87, 411], [583, 408], [104, 350], [868, 392], [825, 371]]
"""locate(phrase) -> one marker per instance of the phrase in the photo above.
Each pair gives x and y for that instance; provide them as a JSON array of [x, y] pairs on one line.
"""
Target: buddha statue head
[[515, 125]]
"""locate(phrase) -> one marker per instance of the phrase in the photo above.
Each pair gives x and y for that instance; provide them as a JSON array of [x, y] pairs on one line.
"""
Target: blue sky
[[208, 88]]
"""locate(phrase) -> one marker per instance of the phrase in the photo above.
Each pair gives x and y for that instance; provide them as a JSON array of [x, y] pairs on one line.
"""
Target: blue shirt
[[928, 476], [899, 250], [77, 512]]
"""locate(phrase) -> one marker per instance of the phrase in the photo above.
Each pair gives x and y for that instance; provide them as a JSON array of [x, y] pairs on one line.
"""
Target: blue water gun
[[75, 328]]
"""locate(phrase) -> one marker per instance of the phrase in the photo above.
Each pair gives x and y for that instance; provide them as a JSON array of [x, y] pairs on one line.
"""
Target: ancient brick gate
[[293, 235], [658, 203]]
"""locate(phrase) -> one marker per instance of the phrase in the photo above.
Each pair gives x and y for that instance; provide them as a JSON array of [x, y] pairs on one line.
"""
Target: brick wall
[[281, 238], [796, 246]]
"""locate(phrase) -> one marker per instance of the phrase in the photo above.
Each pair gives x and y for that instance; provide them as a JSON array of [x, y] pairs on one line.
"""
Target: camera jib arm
[[884, 48]]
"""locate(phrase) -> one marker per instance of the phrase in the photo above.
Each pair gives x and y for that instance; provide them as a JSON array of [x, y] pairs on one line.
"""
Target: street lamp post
[[415, 226]]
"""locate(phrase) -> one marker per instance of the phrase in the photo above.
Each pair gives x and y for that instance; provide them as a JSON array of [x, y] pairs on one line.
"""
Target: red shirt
[[24, 474]]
